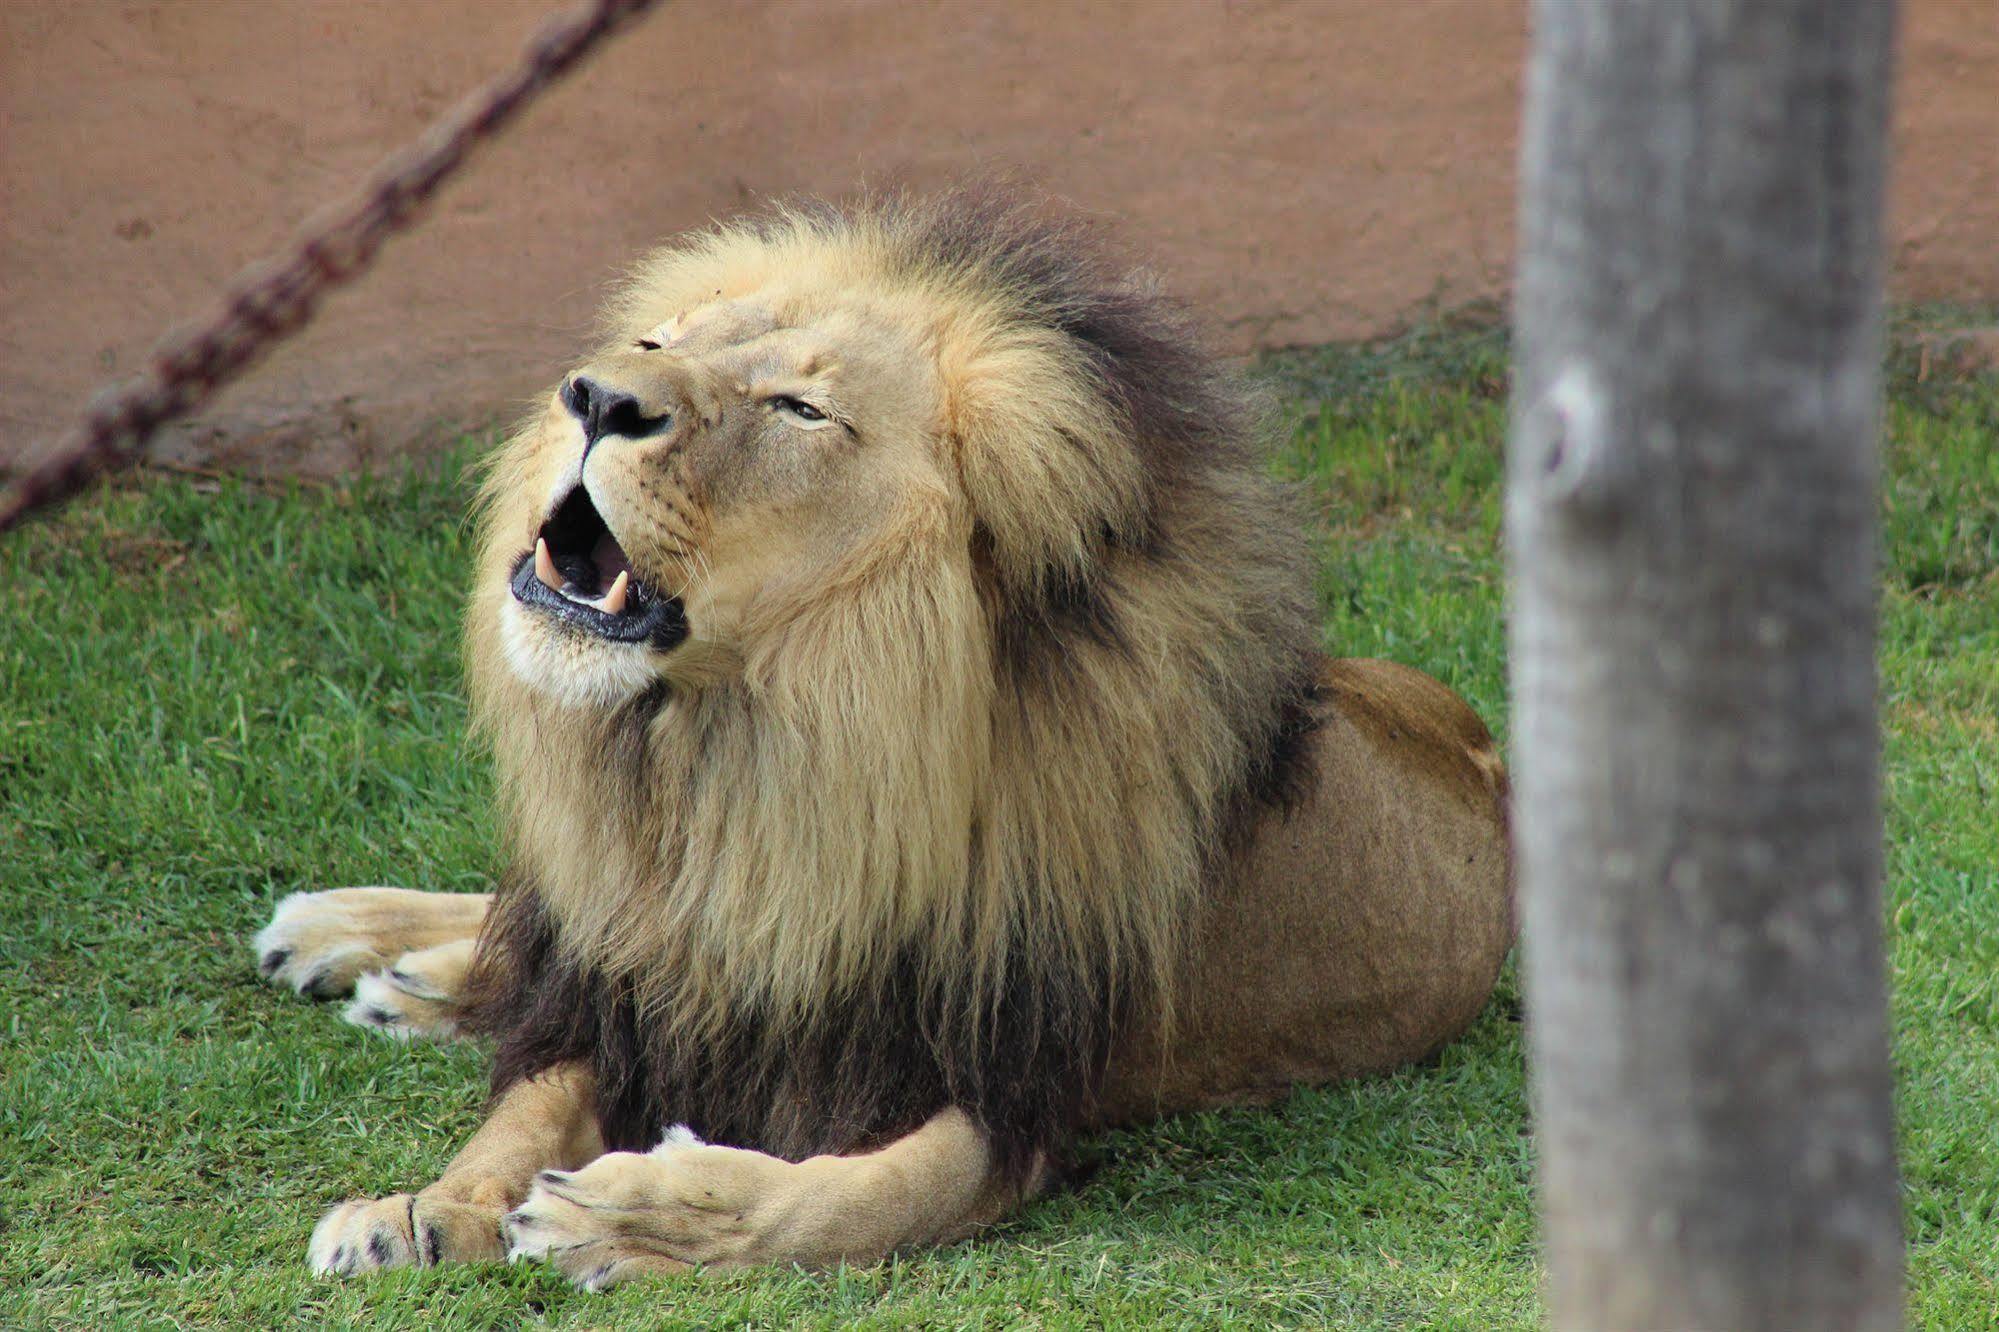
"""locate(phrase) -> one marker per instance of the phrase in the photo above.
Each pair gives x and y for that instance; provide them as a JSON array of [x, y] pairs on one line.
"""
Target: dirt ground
[[1298, 171]]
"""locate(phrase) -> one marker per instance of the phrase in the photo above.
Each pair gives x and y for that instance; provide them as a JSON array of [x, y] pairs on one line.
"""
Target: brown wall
[[1300, 171]]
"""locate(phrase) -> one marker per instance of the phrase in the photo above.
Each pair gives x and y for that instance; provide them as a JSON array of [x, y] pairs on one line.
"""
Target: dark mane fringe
[[880, 1062], [871, 1068], [1191, 419], [1188, 412]]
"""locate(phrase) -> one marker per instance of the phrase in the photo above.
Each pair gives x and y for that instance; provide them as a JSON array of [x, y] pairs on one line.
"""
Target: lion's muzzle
[[579, 575]]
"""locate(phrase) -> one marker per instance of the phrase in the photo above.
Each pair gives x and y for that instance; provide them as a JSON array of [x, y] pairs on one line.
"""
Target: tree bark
[[1690, 516]]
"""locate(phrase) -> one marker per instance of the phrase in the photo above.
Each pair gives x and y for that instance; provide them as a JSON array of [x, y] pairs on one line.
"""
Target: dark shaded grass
[[209, 700]]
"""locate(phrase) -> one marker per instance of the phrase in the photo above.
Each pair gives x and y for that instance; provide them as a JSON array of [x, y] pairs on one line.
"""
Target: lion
[[915, 751]]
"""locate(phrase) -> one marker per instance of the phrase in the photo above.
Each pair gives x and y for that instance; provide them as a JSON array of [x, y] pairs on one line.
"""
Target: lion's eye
[[799, 408], [647, 344]]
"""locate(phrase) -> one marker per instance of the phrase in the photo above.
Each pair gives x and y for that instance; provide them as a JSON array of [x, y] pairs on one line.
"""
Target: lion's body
[[980, 780], [1357, 933]]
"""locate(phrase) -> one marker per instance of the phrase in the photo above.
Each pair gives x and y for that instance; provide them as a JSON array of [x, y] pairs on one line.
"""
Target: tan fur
[[418, 995], [841, 770], [1360, 933]]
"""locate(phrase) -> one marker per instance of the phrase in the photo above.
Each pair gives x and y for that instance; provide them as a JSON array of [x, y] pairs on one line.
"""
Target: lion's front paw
[[630, 1214], [320, 943], [402, 1230]]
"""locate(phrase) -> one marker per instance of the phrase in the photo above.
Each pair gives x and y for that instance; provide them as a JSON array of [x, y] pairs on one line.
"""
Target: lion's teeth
[[614, 600], [544, 566]]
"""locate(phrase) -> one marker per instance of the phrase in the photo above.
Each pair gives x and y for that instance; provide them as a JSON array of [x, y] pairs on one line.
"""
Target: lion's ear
[[1046, 462]]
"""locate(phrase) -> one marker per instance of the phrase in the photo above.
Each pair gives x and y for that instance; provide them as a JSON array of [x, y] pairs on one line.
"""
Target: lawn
[[209, 699]]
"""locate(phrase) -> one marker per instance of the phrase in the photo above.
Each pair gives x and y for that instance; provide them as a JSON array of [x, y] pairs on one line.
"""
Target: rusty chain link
[[271, 300]]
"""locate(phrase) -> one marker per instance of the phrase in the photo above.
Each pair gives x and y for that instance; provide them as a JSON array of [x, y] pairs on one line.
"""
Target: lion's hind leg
[[419, 995], [323, 944]]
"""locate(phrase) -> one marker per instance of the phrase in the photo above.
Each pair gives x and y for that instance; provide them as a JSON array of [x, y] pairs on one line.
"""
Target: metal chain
[[273, 299]]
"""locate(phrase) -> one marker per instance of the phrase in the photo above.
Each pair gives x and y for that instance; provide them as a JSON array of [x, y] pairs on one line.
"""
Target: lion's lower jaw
[[576, 673]]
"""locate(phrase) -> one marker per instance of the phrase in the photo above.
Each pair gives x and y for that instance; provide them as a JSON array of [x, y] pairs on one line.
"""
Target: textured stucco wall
[[1299, 171]]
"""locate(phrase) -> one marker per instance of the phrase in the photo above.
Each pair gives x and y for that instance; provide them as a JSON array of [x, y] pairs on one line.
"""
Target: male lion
[[915, 751]]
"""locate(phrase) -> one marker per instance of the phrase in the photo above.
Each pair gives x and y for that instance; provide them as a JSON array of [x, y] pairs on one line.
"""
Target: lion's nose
[[609, 411]]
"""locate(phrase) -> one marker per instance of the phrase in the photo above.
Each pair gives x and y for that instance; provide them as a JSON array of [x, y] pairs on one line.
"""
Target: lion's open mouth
[[578, 573]]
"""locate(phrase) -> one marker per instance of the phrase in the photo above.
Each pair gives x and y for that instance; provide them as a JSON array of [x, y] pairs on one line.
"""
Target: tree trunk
[[1690, 513]]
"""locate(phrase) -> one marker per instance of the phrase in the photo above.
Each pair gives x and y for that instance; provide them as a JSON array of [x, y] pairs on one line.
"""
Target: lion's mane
[[946, 833]]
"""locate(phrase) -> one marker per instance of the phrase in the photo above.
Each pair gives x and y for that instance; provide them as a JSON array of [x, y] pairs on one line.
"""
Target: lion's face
[[693, 486]]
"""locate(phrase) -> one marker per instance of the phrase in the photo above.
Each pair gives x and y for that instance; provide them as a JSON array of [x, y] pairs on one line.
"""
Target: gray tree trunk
[[1691, 528]]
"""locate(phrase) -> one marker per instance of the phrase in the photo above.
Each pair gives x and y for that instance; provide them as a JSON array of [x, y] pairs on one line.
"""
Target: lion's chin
[[575, 669]]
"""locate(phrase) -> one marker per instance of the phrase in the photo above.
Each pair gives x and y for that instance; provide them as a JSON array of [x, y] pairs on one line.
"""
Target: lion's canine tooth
[[614, 600], [544, 566]]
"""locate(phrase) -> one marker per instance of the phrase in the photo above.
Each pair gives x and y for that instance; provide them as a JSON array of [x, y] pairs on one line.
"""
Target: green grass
[[208, 700]]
